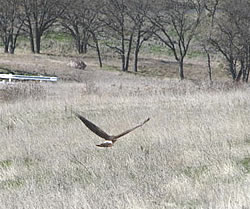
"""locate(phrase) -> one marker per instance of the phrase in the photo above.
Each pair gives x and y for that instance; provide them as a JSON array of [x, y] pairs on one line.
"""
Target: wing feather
[[98, 131], [128, 131]]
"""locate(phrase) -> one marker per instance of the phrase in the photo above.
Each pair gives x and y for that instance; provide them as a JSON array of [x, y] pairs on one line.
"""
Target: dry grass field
[[193, 153]]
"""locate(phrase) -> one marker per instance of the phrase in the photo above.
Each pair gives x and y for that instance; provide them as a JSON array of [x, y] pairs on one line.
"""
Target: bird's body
[[109, 139], [107, 143]]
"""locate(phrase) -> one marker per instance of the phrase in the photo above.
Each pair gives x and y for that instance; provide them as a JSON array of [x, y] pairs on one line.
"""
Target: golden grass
[[193, 153]]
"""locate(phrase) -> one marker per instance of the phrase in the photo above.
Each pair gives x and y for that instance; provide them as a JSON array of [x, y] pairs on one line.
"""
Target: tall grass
[[193, 153]]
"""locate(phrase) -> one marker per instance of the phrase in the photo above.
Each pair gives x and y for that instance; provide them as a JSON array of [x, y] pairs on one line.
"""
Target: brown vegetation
[[194, 153]]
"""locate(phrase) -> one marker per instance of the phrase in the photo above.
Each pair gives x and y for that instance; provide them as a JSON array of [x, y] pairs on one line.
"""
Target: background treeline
[[212, 26]]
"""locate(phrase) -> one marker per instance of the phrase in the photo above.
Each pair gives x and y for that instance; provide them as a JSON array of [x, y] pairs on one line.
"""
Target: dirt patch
[[52, 65]]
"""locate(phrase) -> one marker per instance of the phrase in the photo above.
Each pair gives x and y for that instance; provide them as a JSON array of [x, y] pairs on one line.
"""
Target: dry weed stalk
[[194, 155]]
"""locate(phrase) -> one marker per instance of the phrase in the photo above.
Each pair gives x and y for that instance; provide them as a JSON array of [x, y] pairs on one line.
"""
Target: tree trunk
[[129, 51], [123, 53], [38, 43], [137, 49], [80, 51], [247, 76], [78, 44], [12, 45], [123, 61], [6, 48], [232, 69], [82, 46], [85, 47], [37, 38], [6, 42], [181, 69], [209, 67], [97, 49], [32, 44], [247, 64], [99, 54], [239, 75], [136, 60], [208, 64], [243, 65]]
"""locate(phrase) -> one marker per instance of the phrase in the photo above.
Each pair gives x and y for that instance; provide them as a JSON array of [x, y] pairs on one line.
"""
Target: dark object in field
[[110, 139], [79, 64]]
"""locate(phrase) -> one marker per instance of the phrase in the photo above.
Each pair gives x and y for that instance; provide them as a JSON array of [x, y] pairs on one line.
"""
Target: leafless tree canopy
[[217, 26], [231, 36], [10, 24]]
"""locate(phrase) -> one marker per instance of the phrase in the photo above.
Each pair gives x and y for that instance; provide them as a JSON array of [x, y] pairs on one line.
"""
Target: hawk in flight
[[109, 139]]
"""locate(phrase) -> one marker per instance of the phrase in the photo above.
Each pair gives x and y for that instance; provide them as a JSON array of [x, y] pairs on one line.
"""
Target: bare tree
[[118, 29], [177, 23], [206, 29], [242, 22], [10, 24], [40, 15], [80, 19], [77, 20], [231, 37], [137, 12]]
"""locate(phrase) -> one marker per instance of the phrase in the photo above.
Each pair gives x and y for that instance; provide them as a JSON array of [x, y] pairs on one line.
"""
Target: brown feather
[[98, 131], [94, 128], [128, 131]]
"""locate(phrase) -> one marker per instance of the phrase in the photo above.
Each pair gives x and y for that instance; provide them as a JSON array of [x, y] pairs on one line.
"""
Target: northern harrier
[[109, 139]]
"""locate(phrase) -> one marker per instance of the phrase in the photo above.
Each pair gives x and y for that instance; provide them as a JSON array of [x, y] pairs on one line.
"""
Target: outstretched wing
[[128, 131], [94, 128]]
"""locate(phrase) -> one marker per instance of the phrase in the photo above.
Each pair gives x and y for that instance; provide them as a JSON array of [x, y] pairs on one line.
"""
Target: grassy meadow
[[193, 153]]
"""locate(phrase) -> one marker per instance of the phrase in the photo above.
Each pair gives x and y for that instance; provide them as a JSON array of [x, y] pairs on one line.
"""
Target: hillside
[[193, 153]]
